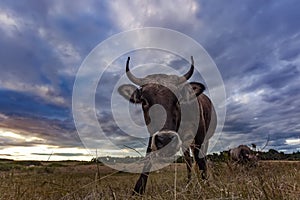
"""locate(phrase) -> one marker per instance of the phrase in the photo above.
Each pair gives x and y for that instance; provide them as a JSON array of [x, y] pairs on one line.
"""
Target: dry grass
[[270, 180]]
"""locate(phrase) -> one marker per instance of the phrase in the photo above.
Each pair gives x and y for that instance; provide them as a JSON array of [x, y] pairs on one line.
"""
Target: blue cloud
[[16, 103]]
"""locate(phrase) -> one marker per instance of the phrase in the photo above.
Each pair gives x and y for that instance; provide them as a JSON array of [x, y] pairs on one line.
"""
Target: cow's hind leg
[[200, 158], [188, 161]]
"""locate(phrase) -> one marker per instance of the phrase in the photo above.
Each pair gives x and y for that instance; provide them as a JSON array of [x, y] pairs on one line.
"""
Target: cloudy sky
[[255, 45]]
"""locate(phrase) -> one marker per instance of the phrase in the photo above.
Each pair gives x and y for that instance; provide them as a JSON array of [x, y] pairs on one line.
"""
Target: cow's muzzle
[[167, 142]]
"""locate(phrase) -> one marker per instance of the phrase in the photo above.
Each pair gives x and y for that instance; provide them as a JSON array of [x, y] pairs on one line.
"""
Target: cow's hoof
[[136, 193], [204, 175]]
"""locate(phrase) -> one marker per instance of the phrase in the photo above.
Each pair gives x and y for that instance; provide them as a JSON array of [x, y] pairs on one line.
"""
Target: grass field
[[80, 180]]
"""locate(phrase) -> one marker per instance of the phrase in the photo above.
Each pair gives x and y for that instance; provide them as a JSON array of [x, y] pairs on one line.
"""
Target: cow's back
[[208, 118]]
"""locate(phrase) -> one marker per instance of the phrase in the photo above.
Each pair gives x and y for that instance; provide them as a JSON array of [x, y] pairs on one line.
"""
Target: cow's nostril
[[164, 139], [161, 141]]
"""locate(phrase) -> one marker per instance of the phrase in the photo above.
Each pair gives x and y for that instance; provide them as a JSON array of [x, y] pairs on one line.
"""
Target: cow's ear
[[192, 90], [130, 92], [197, 87]]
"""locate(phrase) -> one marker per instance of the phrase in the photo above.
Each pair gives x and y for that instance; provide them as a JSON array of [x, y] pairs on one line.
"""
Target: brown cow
[[243, 155], [174, 94]]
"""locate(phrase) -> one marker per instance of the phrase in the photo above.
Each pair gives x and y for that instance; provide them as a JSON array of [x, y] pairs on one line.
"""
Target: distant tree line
[[112, 160], [272, 154], [223, 156]]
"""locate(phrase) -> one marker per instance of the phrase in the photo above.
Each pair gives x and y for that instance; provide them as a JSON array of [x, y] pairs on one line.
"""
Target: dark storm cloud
[[256, 48], [25, 55], [276, 79], [16, 103], [46, 42], [39, 131], [240, 34], [42, 46], [255, 45]]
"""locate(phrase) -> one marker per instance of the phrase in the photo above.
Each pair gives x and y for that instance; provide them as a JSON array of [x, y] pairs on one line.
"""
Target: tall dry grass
[[269, 180]]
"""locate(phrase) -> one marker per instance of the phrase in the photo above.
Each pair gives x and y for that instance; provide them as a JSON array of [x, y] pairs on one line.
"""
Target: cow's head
[[161, 97], [252, 157]]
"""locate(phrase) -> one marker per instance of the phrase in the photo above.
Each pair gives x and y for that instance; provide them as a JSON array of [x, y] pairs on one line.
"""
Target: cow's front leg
[[188, 161], [203, 166], [141, 183]]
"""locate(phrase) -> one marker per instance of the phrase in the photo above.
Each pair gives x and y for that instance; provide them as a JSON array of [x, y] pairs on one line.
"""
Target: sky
[[254, 44]]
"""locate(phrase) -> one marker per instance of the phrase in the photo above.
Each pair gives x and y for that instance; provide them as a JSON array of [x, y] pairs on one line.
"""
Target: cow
[[243, 155], [173, 93]]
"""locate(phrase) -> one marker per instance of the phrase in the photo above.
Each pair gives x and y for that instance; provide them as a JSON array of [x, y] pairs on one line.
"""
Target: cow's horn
[[131, 77], [189, 73]]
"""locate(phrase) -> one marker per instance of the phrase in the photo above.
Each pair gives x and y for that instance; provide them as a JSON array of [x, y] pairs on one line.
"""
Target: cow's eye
[[144, 102]]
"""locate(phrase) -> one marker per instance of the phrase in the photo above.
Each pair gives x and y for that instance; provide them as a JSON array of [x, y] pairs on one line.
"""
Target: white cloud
[[46, 92], [2, 116], [44, 152], [66, 51], [10, 135], [293, 141], [137, 14], [8, 23], [245, 98], [7, 20]]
